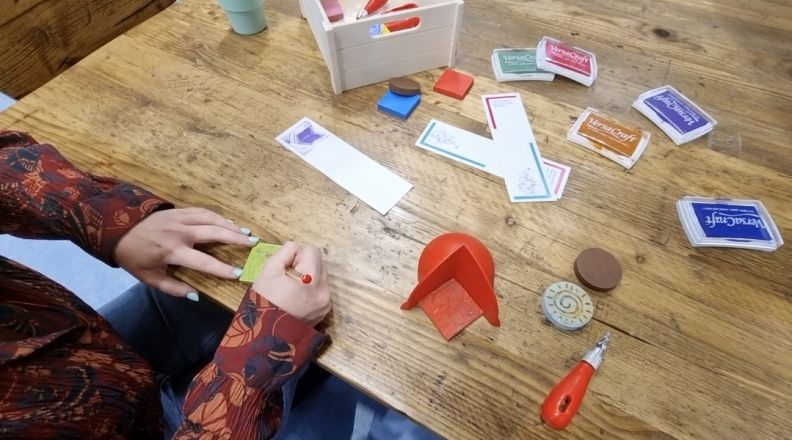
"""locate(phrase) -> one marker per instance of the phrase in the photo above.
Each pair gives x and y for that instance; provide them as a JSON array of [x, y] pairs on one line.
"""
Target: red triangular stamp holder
[[455, 283]]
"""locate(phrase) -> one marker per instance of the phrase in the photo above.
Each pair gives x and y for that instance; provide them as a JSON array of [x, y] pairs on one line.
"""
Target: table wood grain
[[702, 338], [41, 38]]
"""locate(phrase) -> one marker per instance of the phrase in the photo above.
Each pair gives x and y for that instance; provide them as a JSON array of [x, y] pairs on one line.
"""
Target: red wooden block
[[454, 84]]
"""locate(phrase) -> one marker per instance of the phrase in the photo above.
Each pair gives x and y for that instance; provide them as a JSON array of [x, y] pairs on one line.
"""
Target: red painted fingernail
[[306, 279]]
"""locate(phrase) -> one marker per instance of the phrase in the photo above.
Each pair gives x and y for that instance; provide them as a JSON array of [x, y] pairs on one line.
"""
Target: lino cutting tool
[[561, 405], [371, 7], [401, 25], [403, 7], [293, 273], [394, 26]]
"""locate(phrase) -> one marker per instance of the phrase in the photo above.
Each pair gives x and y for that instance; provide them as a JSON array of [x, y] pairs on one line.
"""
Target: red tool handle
[[563, 402], [373, 5], [401, 25], [403, 7], [305, 278]]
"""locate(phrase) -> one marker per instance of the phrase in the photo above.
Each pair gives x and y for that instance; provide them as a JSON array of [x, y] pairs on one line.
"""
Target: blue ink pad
[[721, 220]]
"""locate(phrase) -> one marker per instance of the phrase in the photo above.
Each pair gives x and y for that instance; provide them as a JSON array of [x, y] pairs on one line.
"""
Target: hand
[[166, 238], [309, 303]]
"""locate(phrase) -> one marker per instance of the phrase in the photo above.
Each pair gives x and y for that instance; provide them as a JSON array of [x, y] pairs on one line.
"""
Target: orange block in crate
[[455, 283]]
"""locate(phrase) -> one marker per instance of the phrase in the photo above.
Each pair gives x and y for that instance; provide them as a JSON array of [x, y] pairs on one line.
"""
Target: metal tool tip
[[362, 14]]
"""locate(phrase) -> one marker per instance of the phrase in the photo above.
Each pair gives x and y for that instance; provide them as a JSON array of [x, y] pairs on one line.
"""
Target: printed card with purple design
[[303, 137], [345, 165]]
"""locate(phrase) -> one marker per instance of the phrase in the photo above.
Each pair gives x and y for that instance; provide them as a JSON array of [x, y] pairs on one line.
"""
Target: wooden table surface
[[702, 338]]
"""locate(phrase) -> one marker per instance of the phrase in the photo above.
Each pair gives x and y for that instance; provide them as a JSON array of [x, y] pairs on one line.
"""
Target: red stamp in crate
[[333, 10], [455, 283]]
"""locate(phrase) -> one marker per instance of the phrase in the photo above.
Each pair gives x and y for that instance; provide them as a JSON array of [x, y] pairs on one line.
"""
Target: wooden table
[[702, 338], [41, 38]]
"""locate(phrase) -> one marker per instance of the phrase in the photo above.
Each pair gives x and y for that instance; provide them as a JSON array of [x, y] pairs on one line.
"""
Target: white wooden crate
[[355, 58]]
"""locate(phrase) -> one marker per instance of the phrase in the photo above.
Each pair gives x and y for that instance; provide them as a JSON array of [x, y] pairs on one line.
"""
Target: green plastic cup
[[246, 16]]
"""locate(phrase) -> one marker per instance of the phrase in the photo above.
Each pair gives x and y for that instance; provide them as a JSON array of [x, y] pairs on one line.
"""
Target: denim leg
[[172, 413], [177, 336], [288, 391], [334, 410], [389, 424], [327, 413]]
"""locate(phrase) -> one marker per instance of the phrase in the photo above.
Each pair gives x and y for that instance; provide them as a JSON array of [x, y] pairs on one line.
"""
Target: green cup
[[246, 16]]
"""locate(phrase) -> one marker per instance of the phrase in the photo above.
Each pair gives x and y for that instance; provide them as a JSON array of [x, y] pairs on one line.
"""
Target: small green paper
[[517, 61], [255, 261]]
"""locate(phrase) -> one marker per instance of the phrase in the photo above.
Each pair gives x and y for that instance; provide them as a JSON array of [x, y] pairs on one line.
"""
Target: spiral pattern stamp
[[567, 306]]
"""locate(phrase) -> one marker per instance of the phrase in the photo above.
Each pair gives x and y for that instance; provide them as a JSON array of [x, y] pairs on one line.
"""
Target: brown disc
[[598, 270], [404, 86]]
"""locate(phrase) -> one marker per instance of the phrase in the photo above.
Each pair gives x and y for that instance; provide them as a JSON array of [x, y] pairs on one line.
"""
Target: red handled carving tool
[[371, 7], [295, 274], [403, 7], [561, 405], [400, 25]]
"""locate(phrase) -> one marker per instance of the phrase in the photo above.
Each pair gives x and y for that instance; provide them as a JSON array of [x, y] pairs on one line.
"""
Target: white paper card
[[557, 176], [459, 145], [377, 186], [481, 152], [518, 155]]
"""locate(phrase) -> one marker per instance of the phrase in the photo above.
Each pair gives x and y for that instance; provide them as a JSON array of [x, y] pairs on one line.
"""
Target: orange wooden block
[[454, 84]]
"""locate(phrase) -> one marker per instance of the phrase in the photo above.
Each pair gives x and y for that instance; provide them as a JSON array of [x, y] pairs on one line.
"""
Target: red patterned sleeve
[[45, 196], [238, 394]]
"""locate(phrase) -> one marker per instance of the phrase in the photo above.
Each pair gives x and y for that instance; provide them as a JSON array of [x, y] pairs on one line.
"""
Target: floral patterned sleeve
[[45, 196], [42, 195], [238, 394]]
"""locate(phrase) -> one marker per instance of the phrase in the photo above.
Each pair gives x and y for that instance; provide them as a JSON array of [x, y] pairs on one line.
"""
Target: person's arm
[[238, 394], [42, 195]]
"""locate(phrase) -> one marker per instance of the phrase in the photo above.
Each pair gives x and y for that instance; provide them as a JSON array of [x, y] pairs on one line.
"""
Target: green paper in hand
[[255, 261]]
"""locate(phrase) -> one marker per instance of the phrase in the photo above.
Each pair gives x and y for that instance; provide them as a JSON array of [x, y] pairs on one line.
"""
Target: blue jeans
[[337, 411], [178, 337]]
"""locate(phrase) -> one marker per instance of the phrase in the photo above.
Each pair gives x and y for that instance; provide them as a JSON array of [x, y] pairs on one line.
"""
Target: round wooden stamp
[[598, 269], [404, 86]]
